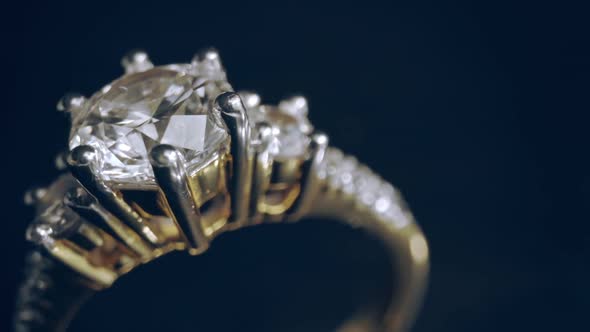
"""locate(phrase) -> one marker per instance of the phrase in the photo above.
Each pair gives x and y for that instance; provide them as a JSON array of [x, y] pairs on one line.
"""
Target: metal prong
[[250, 99], [209, 55], [71, 102], [234, 115], [81, 162], [79, 200], [61, 161], [168, 166], [262, 169], [309, 169], [136, 61], [34, 195], [295, 105], [208, 63]]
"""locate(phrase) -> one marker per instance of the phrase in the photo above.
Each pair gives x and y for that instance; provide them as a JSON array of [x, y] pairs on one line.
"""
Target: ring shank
[[408, 253], [52, 292], [384, 216], [50, 296]]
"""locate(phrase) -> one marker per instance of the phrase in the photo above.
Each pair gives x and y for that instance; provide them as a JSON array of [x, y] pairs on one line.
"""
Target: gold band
[[380, 211], [246, 164], [338, 188]]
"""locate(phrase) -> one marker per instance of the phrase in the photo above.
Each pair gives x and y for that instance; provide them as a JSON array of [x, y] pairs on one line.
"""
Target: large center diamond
[[163, 105]]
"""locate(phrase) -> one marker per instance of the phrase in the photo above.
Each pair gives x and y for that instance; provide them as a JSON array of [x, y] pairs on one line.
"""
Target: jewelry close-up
[[169, 157]]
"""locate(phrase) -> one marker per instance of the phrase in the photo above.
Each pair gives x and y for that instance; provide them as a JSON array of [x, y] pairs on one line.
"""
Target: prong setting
[[34, 195], [208, 60], [265, 133], [82, 156], [155, 136], [295, 105], [282, 142], [234, 115], [79, 200], [168, 167], [60, 161], [69, 237], [82, 160], [52, 223], [136, 61], [71, 102], [250, 99], [309, 171], [123, 127], [207, 54], [262, 169], [288, 121]]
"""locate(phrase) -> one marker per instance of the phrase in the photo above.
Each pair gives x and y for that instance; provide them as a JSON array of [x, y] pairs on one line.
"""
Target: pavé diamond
[[164, 105]]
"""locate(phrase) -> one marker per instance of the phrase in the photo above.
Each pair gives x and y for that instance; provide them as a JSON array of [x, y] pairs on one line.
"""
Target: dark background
[[478, 113]]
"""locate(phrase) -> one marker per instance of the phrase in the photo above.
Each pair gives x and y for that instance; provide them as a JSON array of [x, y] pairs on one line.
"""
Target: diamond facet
[[163, 105], [290, 129]]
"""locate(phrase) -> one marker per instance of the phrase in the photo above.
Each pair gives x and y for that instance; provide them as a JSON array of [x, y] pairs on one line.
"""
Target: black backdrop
[[477, 112]]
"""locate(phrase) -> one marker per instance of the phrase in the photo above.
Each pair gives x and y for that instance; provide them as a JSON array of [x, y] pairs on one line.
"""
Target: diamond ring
[[167, 158]]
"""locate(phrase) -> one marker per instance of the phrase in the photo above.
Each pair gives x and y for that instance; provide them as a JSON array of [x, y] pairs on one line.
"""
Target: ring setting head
[[142, 109], [287, 124], [182, 130], [166, 158]]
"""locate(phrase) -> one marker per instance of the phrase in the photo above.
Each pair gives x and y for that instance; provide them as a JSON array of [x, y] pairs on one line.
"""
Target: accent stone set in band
[[167, 158]]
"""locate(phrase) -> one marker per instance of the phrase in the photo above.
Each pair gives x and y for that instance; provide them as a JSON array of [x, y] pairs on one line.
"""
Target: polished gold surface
[[277, 188], [130, 238], [209, 187], [95, 254], [405, 240], [269, 166]]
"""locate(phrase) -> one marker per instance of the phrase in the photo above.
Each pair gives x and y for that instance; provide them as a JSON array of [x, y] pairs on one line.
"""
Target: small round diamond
[[290, 130], [40, 233], [382, 204]]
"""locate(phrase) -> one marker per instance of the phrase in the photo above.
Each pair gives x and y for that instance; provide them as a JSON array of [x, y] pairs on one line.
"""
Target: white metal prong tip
[[264, 130], [34, 195], [250, 99], [82, 155], [295, 105], [70, 101], [264, 136], [164, 155], [229, 103], [207, 54], [167, 164], [208, 63], [235, 118], [309, 187], [320, 138], [79, 197], [136, 61], [61, 161]]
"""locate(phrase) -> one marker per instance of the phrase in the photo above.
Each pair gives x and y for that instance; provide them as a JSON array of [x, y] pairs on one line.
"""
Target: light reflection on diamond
[[289, 131], [138, 111]]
